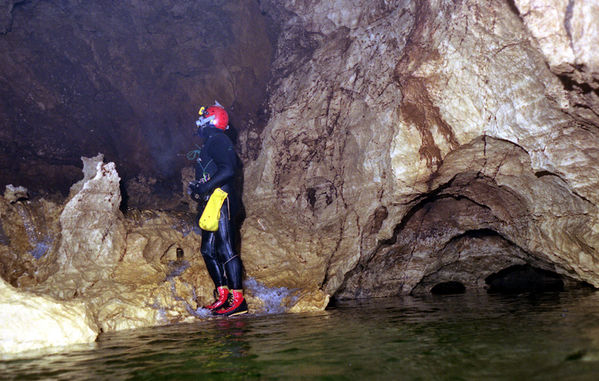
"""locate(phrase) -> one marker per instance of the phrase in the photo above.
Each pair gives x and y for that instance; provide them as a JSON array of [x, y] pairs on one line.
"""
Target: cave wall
[[410, 137], [489, 211], [124, 78], [566, 31]]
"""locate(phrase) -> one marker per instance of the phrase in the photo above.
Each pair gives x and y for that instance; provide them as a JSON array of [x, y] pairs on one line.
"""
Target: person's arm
[[222, 153]]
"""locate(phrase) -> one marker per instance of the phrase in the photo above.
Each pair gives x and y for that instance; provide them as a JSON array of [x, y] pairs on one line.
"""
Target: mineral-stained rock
[[416, 142], [309, 301], [123, 269], [29, 239], [489, 212], [92, 229]]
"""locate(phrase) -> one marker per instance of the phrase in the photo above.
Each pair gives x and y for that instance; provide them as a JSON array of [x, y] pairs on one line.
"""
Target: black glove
[[198, 190]]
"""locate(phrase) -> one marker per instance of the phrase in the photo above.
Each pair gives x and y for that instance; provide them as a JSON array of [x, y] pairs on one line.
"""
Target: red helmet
[[215, 116]]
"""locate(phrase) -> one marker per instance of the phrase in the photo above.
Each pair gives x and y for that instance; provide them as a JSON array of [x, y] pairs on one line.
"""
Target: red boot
[[221, 294], [236, 305]]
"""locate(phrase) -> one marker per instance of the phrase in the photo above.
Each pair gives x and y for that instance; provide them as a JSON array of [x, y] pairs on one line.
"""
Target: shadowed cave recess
[[450, 243], [125, 79], [389, 148], [453, 241]]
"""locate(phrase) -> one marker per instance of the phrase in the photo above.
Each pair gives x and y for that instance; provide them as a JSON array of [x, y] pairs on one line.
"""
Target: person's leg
[[215, 270], [231, 263], [208, 250]]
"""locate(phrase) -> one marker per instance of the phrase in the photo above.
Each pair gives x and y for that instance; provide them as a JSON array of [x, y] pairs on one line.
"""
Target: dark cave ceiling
[[124, 78]]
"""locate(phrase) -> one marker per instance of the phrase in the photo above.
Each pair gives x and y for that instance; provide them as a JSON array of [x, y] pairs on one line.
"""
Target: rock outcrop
[[122, 272], [87, 265], [413, 143], [32, 321], [566, 32]]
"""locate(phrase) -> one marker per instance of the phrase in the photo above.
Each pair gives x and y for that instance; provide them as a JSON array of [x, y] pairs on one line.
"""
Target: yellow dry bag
[[211, 214]]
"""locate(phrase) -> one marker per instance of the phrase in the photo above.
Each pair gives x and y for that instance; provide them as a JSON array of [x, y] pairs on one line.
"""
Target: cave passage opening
[[448, 288], [467, 235], [520, 279]]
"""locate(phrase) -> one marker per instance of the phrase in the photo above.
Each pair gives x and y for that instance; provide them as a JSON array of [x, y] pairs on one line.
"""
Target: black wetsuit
[[216, 167]]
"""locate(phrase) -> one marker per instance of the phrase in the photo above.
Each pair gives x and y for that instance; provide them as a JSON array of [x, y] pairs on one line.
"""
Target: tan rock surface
[[123, 269], [564, 31], [29, 239]]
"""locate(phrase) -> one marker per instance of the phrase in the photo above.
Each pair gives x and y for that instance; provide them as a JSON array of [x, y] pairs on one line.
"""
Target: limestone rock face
[[418, 142], [566, 31], [475, 224], [123, 268], [29, 240], [122, 272], [92, 227], [13, 194]]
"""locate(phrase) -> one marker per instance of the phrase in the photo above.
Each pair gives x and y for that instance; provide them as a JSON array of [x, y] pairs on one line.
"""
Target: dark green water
[[463, 337]]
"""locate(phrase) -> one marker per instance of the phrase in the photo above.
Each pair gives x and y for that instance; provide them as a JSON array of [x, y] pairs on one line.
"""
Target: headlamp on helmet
[[214, 116]]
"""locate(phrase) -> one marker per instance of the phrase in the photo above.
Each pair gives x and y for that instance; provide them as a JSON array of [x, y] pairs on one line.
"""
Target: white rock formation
[[122, 272], [13, 193], [31, 321], [565, 30], [92, 229]]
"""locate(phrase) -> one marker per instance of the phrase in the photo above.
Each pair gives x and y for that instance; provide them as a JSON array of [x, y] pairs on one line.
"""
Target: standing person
[[215, 168]]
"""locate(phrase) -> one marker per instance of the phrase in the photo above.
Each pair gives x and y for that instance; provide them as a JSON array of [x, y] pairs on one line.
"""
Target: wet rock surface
[[123, 268], [31, 321], [564, 31], [478, 223]]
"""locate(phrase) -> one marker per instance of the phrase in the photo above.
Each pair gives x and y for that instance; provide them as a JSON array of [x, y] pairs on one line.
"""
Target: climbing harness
[[194, 154]]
